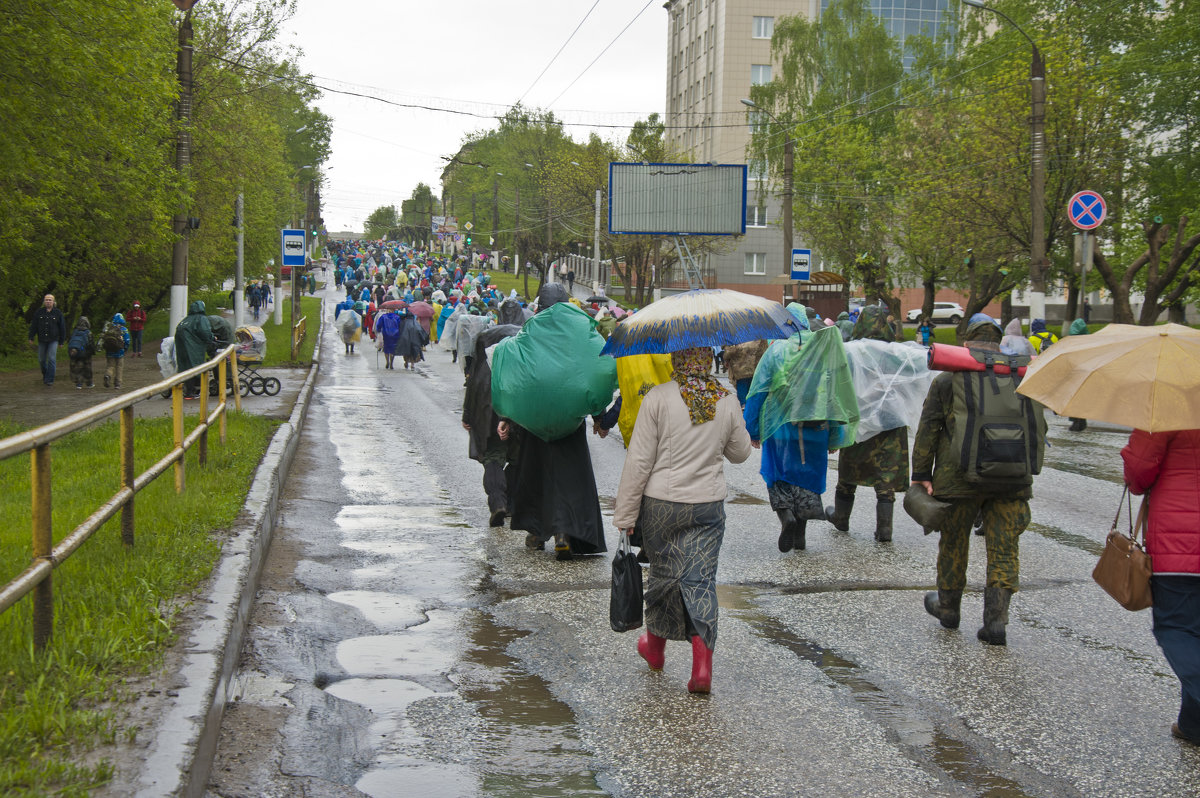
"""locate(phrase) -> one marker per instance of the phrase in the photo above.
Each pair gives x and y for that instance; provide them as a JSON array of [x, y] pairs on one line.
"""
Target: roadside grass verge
[[115, 610]]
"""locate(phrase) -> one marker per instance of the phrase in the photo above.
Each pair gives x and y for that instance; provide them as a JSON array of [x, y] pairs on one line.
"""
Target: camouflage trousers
[[883, 493], [1004, 520]]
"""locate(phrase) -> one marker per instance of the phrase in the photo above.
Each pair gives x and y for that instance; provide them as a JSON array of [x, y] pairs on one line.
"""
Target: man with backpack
[[115, 340], [978, 446], [256, 299], [80, 348]]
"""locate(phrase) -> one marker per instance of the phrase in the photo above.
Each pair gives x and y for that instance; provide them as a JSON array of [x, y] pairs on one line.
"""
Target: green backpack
[[999, 435]]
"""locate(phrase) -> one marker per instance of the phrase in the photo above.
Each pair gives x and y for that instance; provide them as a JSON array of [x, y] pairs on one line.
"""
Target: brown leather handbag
[[1124, 568]]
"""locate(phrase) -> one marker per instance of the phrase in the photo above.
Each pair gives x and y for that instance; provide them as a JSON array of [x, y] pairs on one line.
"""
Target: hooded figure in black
[[555, 492], [480, 420]]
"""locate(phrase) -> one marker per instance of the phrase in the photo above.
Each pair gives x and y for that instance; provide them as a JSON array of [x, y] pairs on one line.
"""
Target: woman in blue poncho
[[800, 406]]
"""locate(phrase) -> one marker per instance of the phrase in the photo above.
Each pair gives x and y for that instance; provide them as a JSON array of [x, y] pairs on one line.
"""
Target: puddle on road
[[388, 612], [527, 744], [952, 756], [532, 745], [737, 497], [1092, 453]]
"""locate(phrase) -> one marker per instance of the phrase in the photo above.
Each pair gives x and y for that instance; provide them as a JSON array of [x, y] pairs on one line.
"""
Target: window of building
[[756, 263], [756, 215], [763, 27], [760, 74]]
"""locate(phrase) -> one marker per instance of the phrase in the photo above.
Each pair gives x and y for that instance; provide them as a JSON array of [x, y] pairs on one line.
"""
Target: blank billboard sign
[[677, 199]]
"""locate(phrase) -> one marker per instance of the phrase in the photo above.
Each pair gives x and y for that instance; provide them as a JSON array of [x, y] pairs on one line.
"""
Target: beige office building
[[716, 50]]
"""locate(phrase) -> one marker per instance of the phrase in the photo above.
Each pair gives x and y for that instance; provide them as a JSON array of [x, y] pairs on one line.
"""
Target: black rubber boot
[[787, 523], [944, 606], [883, 519], [839, 513], [798, 535], [995, 616]]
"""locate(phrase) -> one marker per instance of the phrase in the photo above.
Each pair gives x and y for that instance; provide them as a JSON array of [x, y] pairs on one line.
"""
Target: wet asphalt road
[[400, 647]]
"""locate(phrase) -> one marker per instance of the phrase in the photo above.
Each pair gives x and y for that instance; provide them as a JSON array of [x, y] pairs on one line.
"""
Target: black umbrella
[[602, 300]]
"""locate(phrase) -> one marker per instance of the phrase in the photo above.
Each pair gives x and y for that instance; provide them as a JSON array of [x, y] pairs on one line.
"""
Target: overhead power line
[[560, 49]]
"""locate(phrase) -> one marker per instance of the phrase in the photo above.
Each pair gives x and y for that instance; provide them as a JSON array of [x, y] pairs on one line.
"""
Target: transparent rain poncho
[[806, 378], [891, 381]]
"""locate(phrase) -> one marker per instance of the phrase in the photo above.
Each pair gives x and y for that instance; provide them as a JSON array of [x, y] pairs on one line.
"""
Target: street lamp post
[[788, 160], [1037, 169]]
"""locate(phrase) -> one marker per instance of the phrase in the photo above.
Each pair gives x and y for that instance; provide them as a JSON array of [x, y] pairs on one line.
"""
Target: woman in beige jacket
[[673, 484]]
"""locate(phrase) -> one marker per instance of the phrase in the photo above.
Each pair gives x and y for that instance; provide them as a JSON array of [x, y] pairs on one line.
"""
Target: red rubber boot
[[651, 648], [701, 681]]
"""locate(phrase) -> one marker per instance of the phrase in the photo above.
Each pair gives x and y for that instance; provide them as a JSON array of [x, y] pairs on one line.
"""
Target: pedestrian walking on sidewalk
[[80, 348], [673, 487], [49, 330], [137, 323]]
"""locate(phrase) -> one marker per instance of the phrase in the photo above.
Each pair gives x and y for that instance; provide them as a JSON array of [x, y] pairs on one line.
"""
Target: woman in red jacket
[[1166, 465]]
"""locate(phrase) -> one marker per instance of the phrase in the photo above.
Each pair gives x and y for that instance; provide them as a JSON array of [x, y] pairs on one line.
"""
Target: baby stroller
[[251, 349]]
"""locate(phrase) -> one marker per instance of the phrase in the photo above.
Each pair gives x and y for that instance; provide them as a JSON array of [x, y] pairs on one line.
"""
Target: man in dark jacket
[[193, 341], [49, 328], [1004, 507]]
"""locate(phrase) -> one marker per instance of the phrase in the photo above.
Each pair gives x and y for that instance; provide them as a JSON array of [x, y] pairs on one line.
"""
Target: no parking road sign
[[1087, 210]]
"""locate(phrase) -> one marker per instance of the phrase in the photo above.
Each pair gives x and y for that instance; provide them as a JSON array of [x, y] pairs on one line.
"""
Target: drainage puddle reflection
[[954, 757], [519, 741]]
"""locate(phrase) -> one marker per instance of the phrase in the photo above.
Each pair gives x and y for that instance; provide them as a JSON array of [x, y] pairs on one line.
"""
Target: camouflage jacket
[[933, 456]]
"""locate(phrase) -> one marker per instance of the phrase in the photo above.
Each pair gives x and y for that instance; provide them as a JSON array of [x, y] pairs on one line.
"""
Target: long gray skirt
[[682, 542]]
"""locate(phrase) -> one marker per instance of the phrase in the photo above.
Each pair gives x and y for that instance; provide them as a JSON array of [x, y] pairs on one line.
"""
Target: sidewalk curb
[[185, 738]]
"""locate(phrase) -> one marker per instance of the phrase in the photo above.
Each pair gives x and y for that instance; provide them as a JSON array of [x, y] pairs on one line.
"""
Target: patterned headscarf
[[700, 390]]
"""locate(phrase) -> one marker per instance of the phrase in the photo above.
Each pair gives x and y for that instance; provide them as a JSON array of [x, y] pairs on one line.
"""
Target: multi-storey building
[[717, 50]]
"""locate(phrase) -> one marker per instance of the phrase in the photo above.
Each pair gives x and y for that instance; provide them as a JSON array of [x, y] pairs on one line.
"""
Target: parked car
[[951, 312]]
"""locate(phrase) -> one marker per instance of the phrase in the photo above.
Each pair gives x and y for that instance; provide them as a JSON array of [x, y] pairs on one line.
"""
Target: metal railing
[[36, 577], [299, 330]]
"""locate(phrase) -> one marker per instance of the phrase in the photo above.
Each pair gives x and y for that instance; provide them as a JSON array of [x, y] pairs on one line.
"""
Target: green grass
[[115, 610]]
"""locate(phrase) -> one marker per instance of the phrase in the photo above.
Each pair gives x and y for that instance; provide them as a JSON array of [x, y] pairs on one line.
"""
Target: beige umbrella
[[1142, 377]]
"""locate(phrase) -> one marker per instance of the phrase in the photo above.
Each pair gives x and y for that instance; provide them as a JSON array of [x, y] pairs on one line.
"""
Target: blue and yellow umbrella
[[703, 317]]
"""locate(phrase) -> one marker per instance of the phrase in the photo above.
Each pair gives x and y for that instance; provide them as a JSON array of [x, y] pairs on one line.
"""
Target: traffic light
[[468, 241]]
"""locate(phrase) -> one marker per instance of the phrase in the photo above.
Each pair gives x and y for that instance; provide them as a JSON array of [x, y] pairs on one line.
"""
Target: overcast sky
[[477, 56]]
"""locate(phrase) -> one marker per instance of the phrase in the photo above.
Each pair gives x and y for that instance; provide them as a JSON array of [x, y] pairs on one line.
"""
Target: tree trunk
[[930, 284], [1176, 315], [1006, 311], [1074, 300]]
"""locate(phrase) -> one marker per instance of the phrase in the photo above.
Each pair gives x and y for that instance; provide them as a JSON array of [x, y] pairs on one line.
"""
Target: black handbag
[[625, 602]]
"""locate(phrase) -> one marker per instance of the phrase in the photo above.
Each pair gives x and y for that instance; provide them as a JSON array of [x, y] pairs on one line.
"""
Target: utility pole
[[789, 147], [1037, 199], [516, 240], [472, 225], [596, 247], [495, 210], [180, 224], [239, 275], [549, 236]]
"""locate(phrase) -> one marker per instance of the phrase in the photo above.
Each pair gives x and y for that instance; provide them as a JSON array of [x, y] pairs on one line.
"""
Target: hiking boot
[[839, 513], [883, 520], [944, 605], [995, 616], [497, 518], [106, 381], [562, 549], [534, 542]]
